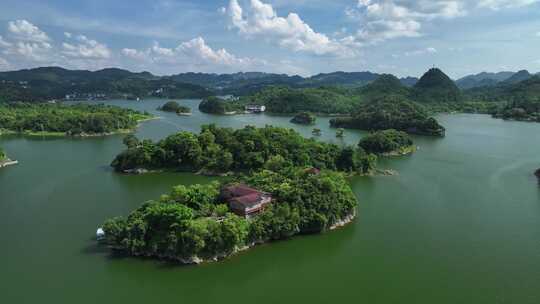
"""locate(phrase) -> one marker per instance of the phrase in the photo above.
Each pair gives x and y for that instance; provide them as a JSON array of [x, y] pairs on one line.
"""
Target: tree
[[131, 141]]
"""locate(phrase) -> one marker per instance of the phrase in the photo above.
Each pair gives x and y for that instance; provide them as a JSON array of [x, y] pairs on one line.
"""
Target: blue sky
[[305, 37]]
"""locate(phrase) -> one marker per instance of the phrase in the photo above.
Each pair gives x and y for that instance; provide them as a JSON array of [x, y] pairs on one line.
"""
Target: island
[[388, 143], [218, 151], [4, 159], [68, 120], [537, 174], [391, 112], [220, 106], [205, 223], [175, 107], [304, 118]]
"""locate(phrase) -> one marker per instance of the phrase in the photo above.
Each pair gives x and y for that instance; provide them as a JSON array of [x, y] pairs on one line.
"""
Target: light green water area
[[459, 224]]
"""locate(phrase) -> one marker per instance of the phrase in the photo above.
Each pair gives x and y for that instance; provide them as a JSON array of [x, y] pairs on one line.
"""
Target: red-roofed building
[[245, 201]]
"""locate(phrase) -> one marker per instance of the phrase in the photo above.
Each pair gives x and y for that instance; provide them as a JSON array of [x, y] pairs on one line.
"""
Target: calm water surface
[[460, 224]]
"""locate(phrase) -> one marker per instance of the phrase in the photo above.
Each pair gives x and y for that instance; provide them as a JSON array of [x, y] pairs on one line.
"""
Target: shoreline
[[8, 162], [80, 135], [404, 151], [197, 260]]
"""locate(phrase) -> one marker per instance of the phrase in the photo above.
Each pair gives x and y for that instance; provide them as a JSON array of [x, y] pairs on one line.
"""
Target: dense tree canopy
[[216, 105], [386, 141], [327, 100], [173, 106], [435, 86], [219, 150], [391, 112], [193, 222], [76, 119]]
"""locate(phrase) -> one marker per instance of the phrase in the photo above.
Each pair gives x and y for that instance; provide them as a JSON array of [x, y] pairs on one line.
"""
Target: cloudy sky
[[305, 37]]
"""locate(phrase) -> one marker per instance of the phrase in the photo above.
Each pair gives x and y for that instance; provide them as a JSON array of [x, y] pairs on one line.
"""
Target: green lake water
[[459, 224]]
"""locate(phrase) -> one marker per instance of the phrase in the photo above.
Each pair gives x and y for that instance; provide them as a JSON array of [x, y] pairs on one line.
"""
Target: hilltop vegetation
[[435, 86], [385, 85], [192, 224], [219, 150], [391, 112], [68, 120]]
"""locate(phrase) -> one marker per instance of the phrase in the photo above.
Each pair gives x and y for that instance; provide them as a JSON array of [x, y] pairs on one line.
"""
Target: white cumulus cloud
[[193, 52], [290, 32], [24, 30], [86, 48]]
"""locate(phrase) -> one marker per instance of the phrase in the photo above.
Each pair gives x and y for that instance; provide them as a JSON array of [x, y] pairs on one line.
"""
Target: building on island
[[255, 109], [245, 201], [313, 171]]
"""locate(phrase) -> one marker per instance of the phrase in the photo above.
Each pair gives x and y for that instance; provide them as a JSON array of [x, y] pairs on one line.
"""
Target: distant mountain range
[[248, 83], [48, 83], [485, 79]]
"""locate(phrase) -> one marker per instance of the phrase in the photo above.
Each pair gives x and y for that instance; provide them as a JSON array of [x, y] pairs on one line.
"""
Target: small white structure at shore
[[255, 109], [100, 234]]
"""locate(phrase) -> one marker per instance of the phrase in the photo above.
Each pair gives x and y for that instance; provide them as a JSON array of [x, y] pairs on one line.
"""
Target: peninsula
[[68, 120]]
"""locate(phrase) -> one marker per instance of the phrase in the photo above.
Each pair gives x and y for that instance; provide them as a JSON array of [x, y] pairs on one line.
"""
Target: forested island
[[388, 143], [221, 150], [72, 120], [216, 105], [201, 223], [175, 107], [391, 112], [304, 118]]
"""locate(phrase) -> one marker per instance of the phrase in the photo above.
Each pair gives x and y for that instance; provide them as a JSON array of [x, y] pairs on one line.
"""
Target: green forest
[[67, 119], [391, 112], [386, 141], [219, 150], [175, 107], [216, 105], [326, 100], [193, 223]]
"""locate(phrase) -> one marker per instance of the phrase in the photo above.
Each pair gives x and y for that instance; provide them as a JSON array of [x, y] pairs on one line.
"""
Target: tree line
[[218, 150], [69, 119]]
